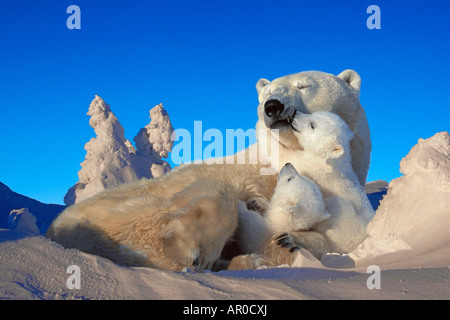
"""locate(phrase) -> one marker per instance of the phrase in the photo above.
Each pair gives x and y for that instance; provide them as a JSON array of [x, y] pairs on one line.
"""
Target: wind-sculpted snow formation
[[414, 216], [112, 160]]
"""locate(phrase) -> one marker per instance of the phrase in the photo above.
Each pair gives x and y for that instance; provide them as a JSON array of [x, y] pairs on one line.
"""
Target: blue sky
[[201, 59]]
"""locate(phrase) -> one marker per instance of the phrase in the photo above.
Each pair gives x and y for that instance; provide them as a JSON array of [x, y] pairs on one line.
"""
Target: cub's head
[[305, 92], [297, 202], [323, 134]]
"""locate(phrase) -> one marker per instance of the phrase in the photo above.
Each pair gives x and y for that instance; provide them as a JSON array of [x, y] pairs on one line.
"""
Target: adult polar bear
[[308, 92], [185, 217]]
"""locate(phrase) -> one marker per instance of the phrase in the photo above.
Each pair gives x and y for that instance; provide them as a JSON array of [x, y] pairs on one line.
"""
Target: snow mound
[[23, 220], [112, 160], [414, 216]]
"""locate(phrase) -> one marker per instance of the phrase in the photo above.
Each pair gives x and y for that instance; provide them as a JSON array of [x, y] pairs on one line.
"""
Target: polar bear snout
[[273, 108], [277, 114], [287, 170], [295, 125]]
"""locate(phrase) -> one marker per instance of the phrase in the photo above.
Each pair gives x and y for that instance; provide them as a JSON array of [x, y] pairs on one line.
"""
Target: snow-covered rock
[[10, 200], [112, 160], [415, 214], [23, 220]]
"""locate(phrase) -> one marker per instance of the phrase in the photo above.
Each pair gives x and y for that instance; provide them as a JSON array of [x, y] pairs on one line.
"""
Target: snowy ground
[[33, 267], [409, 240]]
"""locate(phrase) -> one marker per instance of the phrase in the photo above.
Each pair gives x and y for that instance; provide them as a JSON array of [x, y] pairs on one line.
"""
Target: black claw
[[284, 241], [283, 235]]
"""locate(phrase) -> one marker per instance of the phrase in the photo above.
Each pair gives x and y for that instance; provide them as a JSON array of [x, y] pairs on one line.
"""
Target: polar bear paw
[[257, 204], [285, 240], [312, 241]]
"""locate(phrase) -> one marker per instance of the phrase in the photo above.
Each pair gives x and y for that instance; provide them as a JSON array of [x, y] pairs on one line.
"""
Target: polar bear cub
[[296, 204], [325, 171], [326, 160]]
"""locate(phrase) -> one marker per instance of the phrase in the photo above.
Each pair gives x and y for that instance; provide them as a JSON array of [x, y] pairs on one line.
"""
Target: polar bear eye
[[302, 85], [290, 178], [313, 126]]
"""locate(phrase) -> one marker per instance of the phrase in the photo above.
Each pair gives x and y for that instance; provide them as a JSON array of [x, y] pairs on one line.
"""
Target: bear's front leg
[[312, 241], [277, 252]]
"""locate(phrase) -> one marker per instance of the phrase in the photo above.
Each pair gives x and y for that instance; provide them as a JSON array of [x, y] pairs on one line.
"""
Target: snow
[[33, 267], [112, 160], [408, 239], [153, 142], [23, 220], [158, 134], [10, 200], [415, 214]]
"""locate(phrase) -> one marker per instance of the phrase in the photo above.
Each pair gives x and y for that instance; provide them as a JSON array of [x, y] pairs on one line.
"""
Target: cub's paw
[[257, 204]]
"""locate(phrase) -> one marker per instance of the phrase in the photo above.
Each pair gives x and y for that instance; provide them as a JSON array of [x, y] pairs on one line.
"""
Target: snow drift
[[414, 216]]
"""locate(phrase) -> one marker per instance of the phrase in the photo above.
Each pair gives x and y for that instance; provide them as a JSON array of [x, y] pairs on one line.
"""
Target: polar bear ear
[[352, 79], [261, 84]]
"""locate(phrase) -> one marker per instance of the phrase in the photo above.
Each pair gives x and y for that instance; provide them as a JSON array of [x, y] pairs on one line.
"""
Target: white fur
[[311, 91], [327, 161], [186, 216], [296, 204]]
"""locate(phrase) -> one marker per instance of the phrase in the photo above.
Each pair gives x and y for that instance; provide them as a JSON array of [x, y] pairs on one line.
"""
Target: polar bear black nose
[[273, 108]]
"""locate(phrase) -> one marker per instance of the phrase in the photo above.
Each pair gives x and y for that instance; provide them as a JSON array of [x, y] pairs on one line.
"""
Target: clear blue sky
[[201, 59]]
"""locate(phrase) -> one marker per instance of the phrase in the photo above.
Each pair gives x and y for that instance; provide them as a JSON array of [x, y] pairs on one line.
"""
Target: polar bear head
[[296, 204], [323, 134], [308, 92]]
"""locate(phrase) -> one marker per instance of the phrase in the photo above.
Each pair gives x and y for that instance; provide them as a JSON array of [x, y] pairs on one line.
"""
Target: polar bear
[[181, 219], [279, 100], [297, 204], [340, 209], [326, 160], [308, 92]]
